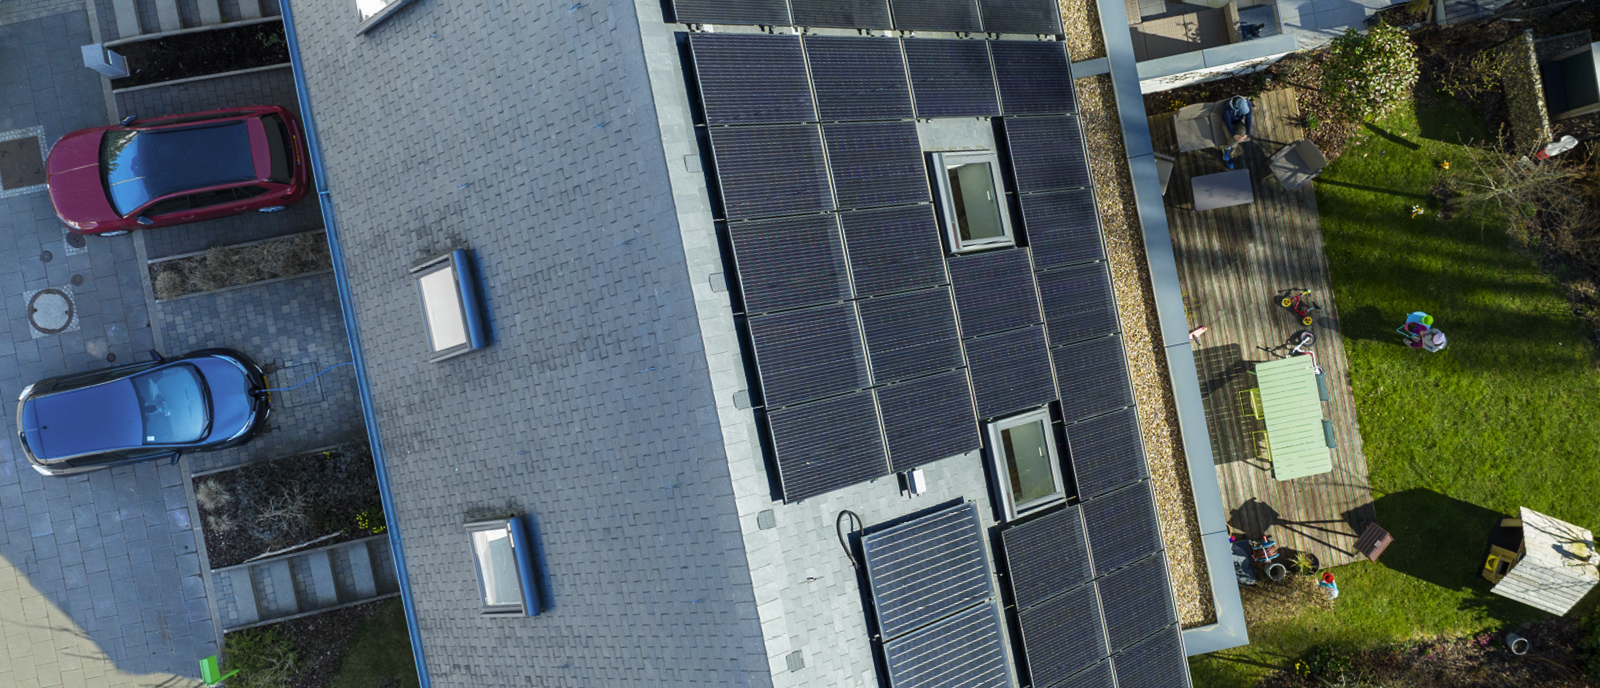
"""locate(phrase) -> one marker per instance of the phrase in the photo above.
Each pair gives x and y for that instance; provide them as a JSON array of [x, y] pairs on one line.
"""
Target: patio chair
[[1296, 164], [1201, 126]]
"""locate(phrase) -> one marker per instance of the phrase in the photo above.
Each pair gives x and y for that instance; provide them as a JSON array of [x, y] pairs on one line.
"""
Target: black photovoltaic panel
[[1021, 16], [1062, 636], [751, 78], [754, 12], [790, 262], [1046, 153], [843, 14], [1122, 527], [894, 249], [808, 354], [1010, 372], [910, 334], [951, 78], [1138, 602], [1046, 556], [876, 164], [926, 568], [1062, 227], [826, 445], [1093, 377], [1035, 77], [859, 78], [1097, 676], [928, 419], [1158, 662], [994, 291], [1106, 452], [768, 171], [963, 651], [936, 15], [1078, 302]]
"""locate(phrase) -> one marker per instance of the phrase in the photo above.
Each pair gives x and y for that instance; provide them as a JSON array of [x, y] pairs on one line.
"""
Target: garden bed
[[232, 266], [328, 497], [360, 645], [202, 53], [1556, 660]]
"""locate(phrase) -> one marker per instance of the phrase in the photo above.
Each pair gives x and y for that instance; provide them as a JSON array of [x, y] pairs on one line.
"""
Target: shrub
[[210, 495], [263, 656], [221, 524], [1325, 661], [1591, 643], [1366, 75]]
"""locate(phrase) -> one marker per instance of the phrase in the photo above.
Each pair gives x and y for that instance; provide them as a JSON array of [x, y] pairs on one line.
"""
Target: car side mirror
[[127, 120], [144, 220], [176, 455], [157, 357]]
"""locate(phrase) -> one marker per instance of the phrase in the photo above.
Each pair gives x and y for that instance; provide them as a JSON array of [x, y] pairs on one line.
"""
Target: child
[[1241, 124]]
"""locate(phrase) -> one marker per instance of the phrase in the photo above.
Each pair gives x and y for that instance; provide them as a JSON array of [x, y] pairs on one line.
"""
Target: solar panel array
[[1089, 587], [992, 16], [934, 606]]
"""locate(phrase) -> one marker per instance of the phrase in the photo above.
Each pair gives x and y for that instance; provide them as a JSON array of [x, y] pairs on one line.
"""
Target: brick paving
[[271, 87]]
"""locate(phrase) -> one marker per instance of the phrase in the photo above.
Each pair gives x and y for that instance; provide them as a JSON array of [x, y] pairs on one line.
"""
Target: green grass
[[1505, 416], [380, 649]]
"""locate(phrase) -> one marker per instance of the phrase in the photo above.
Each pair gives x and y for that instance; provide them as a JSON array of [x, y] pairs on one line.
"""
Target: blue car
[[203, 401]]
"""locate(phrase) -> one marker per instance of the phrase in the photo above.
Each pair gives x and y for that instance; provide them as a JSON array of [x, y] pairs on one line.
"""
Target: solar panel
[[928, 419], [789, 262], [1021, 16], [910, 334], [1158, 662], [1046, 556], [826, 445], [924, 569], [1097, 676], [1062, 635], [858, 78], [1034, 76], [843, 14], [1093, 377], [936, 15], [808, 354], [951, 78], [994, 291], [1138, 602], [1062, 227], [876, 164], [894, 249], [1010, 372], [964, 651], [1122, 527], [1106, 452], [1078, 302], [768, 171], [755, 12], [751, 78], [1046, 152]]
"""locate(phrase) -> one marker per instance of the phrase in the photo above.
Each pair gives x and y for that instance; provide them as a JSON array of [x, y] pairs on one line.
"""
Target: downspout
[[325, 201]]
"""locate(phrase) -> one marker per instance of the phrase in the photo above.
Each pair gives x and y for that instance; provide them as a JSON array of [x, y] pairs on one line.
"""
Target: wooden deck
[[1235, 264]]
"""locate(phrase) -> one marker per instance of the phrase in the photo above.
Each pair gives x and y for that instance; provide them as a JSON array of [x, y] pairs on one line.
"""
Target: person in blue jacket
[[1241, 123]]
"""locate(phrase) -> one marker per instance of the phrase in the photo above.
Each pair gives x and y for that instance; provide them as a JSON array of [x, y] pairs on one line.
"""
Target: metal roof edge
[[1229, 630], [346, 309]]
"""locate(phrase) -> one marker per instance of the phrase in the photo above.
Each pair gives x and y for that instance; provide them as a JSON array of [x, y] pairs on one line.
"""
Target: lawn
[[380, 653], [1503, 417]]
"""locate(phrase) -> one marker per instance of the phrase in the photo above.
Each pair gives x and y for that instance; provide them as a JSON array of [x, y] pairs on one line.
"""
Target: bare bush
[[221, 524], [211, 495], [282, 516]]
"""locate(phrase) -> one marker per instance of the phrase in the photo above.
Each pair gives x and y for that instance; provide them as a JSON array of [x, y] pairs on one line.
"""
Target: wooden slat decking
[[1234, 265]]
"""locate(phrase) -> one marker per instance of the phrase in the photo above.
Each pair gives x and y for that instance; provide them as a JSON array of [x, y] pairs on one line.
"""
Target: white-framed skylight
[[972, 200], [1027, 466], [502, 555], [449, 305]]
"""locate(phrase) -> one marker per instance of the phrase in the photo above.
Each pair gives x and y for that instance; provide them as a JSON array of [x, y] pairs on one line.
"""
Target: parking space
[[269, 87]]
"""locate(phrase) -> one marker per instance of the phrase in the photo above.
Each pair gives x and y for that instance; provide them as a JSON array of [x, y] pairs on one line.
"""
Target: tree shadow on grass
[[1375, 189], [1396, 139]]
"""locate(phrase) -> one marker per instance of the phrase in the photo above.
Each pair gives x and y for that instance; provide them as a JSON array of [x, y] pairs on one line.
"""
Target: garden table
[[1293, 412], [1223, 189]]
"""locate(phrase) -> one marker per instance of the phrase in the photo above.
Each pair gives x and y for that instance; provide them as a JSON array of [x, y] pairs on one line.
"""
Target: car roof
[[60, 425], [156, 162]]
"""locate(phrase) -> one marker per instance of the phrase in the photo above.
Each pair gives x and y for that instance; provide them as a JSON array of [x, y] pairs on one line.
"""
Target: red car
[[177, 169]]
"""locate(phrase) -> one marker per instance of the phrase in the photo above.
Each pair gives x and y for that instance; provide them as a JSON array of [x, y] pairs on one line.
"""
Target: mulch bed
[[232, 266], [202, 53], [270, 505], [1555, 660], [320, 640]]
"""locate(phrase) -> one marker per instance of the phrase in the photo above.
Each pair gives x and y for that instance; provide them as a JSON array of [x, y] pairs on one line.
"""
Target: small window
[[972, 200], [373, 12], [1026, 465], [279, 148], [449, 305], [206, 199], [503, 558], [171, 205]]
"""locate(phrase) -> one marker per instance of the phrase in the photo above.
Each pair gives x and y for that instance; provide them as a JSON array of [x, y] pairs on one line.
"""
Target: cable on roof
[[837, 530]]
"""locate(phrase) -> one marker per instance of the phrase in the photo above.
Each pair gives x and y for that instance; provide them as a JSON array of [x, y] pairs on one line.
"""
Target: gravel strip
[[1081, 21], [1169, 474]]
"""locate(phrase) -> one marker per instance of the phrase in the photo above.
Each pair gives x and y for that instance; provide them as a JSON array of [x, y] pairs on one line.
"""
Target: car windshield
[[140, 166], [172, 404]]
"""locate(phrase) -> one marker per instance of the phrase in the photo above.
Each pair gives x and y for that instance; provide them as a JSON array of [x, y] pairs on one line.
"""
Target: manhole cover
[[75, 240], [21, 163], [45, 256], [111, 358], [77, 280], [50, 311]]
